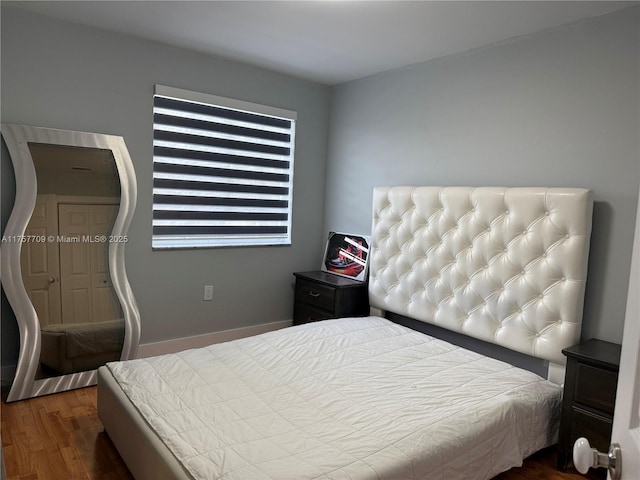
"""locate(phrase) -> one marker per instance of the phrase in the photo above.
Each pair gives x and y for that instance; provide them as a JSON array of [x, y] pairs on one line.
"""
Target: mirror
[[63, 257]]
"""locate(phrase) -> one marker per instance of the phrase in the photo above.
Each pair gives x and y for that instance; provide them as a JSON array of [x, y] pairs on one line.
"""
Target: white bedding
[[358, 398]]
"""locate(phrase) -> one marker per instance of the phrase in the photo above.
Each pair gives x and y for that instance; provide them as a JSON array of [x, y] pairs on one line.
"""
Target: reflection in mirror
[[63, 257], [65, 268]]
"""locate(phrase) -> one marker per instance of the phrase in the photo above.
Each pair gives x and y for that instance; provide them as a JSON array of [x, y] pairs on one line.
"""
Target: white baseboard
[[8, 372], [198, 341]]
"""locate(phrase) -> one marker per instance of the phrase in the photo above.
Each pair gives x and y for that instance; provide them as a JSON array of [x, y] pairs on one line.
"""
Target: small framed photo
[[347, 255]]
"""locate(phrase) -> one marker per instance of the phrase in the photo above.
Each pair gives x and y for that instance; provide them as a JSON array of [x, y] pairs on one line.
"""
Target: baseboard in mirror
[[199, 341]]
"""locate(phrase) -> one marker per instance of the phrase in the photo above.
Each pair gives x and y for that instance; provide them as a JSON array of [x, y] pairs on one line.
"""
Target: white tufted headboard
[[505, 265]]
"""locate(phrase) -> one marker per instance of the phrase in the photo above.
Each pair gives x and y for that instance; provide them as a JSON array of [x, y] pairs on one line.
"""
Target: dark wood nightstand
[[589, 396], [321, 295]]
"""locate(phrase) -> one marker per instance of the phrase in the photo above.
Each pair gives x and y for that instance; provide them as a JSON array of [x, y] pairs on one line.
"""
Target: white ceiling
[[330, 42]]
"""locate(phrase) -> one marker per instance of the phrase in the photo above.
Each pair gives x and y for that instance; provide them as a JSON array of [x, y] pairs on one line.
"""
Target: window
[[222, 171]]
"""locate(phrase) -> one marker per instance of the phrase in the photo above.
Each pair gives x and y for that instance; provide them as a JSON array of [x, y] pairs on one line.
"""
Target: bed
[[367, 398], [76, 347]]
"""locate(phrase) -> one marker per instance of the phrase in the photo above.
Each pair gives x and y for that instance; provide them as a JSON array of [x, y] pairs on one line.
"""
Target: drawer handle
[[314, 294]]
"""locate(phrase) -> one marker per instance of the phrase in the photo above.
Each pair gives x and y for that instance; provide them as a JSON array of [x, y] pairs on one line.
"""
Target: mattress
[[359, 398]]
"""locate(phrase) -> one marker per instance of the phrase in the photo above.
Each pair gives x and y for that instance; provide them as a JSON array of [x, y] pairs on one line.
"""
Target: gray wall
[[60, 75], [559, 108]]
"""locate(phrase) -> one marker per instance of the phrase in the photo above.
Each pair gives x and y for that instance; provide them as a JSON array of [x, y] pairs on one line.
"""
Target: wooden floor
[[59, 437]]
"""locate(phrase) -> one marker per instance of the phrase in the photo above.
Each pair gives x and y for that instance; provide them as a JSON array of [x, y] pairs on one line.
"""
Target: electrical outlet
[[208, 292]]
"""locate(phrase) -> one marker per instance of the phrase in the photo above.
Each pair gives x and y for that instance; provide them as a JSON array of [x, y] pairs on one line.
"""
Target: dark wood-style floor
[[59, 437]]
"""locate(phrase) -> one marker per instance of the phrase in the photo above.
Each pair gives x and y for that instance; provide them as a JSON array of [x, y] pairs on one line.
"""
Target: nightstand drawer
[[593, 427], [305, 313], [596, 388], [316, 294]]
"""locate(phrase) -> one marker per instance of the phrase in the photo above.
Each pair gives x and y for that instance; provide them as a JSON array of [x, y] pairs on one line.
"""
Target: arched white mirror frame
[[17, 139]]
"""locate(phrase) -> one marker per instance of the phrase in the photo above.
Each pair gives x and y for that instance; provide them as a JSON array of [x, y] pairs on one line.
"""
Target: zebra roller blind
[[222, 171]]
